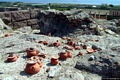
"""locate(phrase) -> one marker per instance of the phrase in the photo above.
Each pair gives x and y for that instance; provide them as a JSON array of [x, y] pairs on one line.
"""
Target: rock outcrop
[[4, 28]]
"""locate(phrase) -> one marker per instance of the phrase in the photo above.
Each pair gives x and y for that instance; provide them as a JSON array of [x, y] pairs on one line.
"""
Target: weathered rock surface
[[4, 28]]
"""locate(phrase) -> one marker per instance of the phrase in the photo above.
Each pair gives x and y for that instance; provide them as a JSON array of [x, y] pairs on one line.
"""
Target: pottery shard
[[32, 22], [20, 15], [20, 24]]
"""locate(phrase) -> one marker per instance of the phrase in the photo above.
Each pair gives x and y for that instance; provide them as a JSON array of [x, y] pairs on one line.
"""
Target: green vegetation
[[59, 6]]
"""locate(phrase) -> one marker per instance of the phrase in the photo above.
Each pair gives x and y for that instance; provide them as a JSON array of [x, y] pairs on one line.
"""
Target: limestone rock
[[25, 29]]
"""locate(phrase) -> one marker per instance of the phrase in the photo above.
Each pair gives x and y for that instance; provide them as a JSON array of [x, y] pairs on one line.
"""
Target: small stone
[[91, 58]]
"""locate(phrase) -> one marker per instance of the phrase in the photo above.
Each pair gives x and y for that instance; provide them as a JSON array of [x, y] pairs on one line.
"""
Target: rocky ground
[[18, 41], [101, 63]]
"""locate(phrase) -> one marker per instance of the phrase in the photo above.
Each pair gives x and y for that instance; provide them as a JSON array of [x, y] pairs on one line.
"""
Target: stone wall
[[17, 19]]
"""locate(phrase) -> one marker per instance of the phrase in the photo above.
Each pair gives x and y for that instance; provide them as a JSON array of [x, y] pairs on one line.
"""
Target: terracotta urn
[[84, 46], [69, 47], [56, 44], [77, 48], [43, 55], [90, 50], [12, 57], [41, 42], [32, 67], [69, 39], [70, 43], [7, 34], [31, 52], [38, 59], [96, 40], [80, 54], [63, 55], [45, 42], [69, 54], [64, 38], [54, 60]]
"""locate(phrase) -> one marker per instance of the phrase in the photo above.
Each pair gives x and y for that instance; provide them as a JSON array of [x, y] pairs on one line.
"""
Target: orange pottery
[[69, 39], [12, 57], [84, 46], [69, 54], [32, 67], [31, 52], [56, 44], [45, 42], [7, 34], [80, 54], [69, 47], [41, 42], [42, 55], [77, 48], [90, 50], [64, 38], [63, 55], [54, 60], [38, 59]]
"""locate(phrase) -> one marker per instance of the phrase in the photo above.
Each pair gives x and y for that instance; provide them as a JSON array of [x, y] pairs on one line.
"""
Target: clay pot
[[56, 44], [69, 54], [38, 59], [64, 38], [31, 52], [45, 42], [12, 57], [63, 55], [96, 40], [70, 43], [41, 42], [77, 48], [54, 60], [90, 50], [32, 67], [80, 54], [7, 34], [69, 47], [84, 46], [42, 55], [69, 39]]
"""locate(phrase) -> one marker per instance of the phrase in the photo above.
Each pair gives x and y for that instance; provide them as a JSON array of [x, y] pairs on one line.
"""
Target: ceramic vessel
[[7, 34], [54, 60], [41, 42], [45, 42], [69, 39], [64, 38], [63, 55], [90, 50], [32, 67], [12, 57], [77, 47], [69, 54], [80, 54], [42, 55], [69, 47], [84, 46], [38, 59], [31, 52], [57, 43]]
